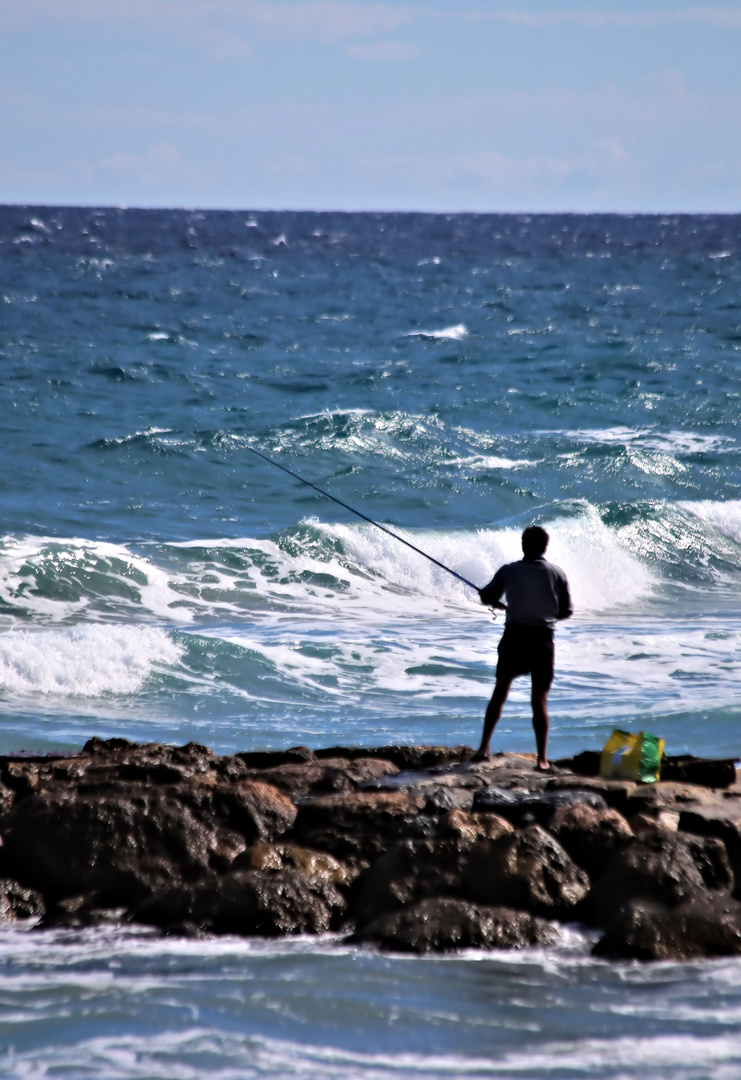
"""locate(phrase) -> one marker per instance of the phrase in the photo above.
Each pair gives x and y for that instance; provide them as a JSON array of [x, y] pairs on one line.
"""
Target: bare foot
[[479, 756]]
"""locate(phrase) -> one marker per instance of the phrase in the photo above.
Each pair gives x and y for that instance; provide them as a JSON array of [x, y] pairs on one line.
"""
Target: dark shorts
[[527, 650]]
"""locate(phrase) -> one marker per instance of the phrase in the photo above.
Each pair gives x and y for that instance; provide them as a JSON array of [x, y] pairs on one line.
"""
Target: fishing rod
[[365, 517]]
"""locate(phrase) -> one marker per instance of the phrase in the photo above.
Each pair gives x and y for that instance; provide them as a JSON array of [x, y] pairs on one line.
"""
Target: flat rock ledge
[[407, 848]]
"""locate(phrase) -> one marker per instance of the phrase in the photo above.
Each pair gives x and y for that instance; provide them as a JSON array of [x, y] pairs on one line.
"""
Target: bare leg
[[491, 716], [539, 702]]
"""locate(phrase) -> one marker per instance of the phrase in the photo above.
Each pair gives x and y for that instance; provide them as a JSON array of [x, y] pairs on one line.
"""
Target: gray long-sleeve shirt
[[536, 591]]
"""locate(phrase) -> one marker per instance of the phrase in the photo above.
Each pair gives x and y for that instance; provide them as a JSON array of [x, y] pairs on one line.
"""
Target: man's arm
[[491, 594]]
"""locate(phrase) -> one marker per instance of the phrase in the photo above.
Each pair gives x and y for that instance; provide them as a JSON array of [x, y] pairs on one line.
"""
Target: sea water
[[454, 377]]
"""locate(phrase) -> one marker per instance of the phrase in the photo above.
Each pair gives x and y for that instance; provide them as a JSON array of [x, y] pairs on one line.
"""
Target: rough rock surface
[[701, 925], [357, 827], [386, 840], [438, 925], [591, 836], [527, 869], [423, 868], [660, 868]]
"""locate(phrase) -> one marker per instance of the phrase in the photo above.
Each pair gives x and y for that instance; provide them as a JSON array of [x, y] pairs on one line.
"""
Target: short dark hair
[[534, 541]]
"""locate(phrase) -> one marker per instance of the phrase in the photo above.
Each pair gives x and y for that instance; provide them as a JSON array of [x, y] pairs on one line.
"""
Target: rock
[[426, 867], [722, 820], [652, 798], [404, 757], [248, 902], [356, 827], [615, 792], [314, 864], [326, 777], [18, 902], [257, 810], [443, 924], [269, 759], [708, 772], [668, 820], [701, 925], [660, 867], [590, 836], [527, 869], [121, 843], [526, 807]]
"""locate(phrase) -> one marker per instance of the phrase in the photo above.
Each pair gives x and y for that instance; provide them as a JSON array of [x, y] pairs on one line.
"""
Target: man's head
[[534, 542]]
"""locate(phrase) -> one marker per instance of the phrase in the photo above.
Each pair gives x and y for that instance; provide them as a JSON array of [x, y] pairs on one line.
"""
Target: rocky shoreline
[[413, 849]]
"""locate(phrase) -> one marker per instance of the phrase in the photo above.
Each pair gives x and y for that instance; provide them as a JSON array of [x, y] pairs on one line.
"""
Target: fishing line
[[365, 517]]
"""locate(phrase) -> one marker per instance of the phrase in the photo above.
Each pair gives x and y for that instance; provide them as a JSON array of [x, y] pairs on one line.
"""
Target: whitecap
[[449, 333], [84, 661]]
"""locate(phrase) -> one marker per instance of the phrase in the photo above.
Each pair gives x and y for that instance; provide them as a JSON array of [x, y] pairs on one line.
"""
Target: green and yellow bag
[[632, 757]]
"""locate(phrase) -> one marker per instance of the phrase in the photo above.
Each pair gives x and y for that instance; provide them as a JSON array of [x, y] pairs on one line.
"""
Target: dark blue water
[[455, 377]]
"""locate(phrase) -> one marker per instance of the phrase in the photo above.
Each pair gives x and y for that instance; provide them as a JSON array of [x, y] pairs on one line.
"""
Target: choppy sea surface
[[456, 378]]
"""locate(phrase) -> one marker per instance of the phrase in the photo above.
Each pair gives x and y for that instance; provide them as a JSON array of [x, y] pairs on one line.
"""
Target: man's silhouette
[[537, 595]]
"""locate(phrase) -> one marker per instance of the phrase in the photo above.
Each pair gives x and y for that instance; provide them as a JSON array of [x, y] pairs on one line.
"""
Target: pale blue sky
[[347, 104]]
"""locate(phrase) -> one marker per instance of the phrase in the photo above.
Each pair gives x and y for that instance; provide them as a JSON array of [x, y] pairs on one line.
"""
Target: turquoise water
[[455, 377]]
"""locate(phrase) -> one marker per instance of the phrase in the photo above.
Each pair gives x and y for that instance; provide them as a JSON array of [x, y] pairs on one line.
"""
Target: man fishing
[[537, 595]]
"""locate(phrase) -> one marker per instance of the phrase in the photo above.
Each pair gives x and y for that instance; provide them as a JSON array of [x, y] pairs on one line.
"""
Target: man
[[537, 595]]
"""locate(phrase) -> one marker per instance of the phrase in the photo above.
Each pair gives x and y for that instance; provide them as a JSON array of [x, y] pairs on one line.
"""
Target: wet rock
[[249, 902], [357, 827], [18, 902], [721, 820], [590, 836], [121, 843], [438, 925], [668, 820], [424, 867], [701, 925], [269, 759], [404, 757], [652, 798], [615, 792], [661, 868], [526, 807], [257, 810], [314, 864], [332, 775], [527, 869]]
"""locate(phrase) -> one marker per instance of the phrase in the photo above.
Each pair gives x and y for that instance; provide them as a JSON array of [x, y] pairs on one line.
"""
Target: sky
[[436, 105]]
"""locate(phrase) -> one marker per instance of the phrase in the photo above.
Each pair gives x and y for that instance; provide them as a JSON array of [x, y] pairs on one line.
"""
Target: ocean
[[455, 377]]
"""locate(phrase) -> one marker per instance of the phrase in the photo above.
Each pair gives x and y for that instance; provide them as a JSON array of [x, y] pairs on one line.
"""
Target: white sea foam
[[85, 661], [723, 516], [60, 579], [448, 333]]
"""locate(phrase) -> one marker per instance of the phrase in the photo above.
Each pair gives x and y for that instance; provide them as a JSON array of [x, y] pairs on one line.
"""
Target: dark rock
[[257, 810], [708, 772], [701, 925], [443, 924], [526, 807], [722, 821], [404, 757], [121, 843], [615, 792], [18, 902], [590, 836], [527, 869], [356, 827], [269, 759], [107, 746], [424, 867], [313, 864], [661, 868], [333, 775], [249, 902]]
